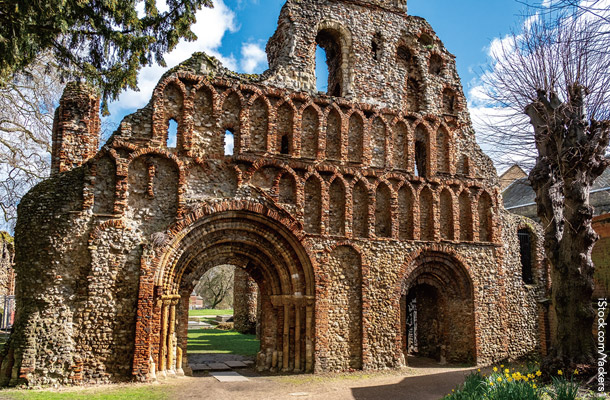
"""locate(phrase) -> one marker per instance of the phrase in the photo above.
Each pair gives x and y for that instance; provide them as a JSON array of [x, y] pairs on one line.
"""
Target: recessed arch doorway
[[437, 309], [268, 249]]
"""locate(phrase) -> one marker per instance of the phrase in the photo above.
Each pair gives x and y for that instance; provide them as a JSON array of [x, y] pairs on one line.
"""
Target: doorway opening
[[437, 310], [222, 320]]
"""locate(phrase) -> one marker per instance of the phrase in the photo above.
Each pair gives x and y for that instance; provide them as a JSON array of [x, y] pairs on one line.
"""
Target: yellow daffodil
[[495, 369], [499, 379], [576, 372], [534, 386], [506, 371], [538, 373], [509, 379], [559, 372]]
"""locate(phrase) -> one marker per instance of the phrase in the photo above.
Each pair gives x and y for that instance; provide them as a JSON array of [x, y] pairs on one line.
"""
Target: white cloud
[[254, 58], [211, 26]]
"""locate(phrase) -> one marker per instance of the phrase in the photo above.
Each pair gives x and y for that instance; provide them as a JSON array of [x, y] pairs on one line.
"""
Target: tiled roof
[[520, 192]]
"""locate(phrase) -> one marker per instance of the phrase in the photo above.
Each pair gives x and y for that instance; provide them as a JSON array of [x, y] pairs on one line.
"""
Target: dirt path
[[428, 381]]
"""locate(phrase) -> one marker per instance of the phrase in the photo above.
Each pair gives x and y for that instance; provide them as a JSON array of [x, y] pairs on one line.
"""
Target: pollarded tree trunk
[[570, 157]]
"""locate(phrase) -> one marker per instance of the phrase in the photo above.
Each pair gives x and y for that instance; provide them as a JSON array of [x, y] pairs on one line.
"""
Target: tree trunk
[[571, 156]]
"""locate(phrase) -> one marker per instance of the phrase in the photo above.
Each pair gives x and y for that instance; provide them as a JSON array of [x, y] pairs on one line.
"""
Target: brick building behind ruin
[[348, 209]]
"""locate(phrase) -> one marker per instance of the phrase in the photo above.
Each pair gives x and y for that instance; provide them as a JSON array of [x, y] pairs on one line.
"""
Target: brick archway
[[439, 289], [263, 247]]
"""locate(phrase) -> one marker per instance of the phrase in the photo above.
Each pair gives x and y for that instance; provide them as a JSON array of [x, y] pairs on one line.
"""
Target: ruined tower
[[352, 210]]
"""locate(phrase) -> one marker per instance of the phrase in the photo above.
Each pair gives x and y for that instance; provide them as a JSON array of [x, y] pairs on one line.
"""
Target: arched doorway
[[267, 250], [437, 309]]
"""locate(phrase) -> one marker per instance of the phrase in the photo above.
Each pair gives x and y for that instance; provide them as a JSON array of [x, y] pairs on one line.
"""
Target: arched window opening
[[376, 46], [230, 119], [525, 249], [449, 101], [329, 41], [420, 158], [321, 70], [172, 134], [426, 40], [284, 145], [374, 50], [285, 127], [405, 57], [229, 142], [435, 67]]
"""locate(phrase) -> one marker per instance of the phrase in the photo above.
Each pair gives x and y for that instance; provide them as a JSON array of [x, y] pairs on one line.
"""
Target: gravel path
[[424, 380]]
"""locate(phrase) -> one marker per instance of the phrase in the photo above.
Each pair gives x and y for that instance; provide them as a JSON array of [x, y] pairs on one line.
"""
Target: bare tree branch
[[551, 84], [216, 285], [27, 107]]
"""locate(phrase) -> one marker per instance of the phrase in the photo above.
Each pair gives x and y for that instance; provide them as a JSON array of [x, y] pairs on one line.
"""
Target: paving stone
[[236, 364], [218, 366], [228, 376]]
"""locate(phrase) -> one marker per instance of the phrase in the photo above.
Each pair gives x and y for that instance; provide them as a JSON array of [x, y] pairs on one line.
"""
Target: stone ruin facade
[[353, 211]]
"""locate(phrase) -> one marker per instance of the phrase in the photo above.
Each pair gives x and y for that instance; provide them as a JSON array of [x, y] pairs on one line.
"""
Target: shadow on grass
[[219, 341]]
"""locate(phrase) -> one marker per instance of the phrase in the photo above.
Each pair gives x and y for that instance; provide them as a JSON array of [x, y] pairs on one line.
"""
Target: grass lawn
[[219, 341], [195, 313], [144, 392]]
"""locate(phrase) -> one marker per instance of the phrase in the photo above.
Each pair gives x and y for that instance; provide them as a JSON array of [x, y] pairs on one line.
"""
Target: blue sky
[[236, 32]]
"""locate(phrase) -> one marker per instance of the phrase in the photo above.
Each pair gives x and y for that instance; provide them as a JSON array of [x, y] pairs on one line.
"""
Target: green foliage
[[104, 41], [219, 341], [210, 311], [105, 393], [563, 389], [511, 384]]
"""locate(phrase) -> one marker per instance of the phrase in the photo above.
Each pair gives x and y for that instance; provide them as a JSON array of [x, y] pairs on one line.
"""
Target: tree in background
[[104, 42], [216, 286], [45, 43], [27, 106], [550, 84]]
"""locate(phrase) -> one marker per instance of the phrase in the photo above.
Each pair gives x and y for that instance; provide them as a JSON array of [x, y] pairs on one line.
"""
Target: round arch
[[265, 248], [437, 309]]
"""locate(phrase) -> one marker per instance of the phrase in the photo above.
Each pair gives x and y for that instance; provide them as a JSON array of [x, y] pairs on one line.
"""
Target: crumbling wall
[[333, 204]]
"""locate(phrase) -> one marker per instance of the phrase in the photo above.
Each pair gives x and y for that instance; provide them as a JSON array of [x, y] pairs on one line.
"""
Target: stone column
[[244, 302]]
